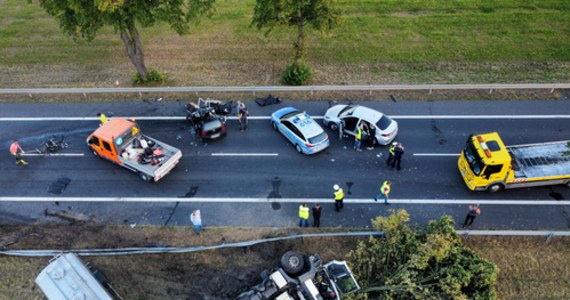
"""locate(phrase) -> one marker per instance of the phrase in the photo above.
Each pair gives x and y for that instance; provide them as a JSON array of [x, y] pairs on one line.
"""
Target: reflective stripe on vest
[[358, 133], [392, 150], [339, 195], [303, 212], [386, 186]]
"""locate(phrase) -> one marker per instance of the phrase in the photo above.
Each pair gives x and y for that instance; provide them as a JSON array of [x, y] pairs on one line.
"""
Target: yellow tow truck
[[486, 164]]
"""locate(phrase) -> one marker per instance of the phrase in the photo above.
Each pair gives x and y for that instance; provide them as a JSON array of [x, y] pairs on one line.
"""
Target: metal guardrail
[[313, 88], [165, 249]]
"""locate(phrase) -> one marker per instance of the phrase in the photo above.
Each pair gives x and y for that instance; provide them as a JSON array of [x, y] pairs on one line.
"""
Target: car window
[[348, 110], [384, 122], [107, 146], [317, 139]]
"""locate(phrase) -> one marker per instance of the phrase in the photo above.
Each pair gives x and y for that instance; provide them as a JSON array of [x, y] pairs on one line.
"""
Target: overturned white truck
[[304, 278]]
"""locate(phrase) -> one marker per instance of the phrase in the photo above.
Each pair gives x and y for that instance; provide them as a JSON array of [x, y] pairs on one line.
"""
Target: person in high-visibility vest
[[384, 192], [358, 137], [391, 153], [102, 118], [304, 215], [338, 198]]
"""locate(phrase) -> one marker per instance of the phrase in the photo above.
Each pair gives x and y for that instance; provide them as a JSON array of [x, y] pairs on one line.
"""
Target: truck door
[[493, 173], [108, 151]]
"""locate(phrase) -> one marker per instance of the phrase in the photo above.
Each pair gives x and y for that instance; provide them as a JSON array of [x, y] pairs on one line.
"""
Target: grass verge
[[380, 42], [530, 268]]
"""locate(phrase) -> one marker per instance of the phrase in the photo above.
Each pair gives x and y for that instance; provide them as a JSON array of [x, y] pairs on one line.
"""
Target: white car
[[350, 116]]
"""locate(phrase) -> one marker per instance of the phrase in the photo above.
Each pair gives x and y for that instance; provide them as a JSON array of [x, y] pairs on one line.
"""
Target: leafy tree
[[84, 18], [318, 14], [420, 263]]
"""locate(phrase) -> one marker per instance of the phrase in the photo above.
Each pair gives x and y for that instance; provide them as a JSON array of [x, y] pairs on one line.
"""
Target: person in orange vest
[[304, 215], [338, 198], [384, 192], [474, 211], [16, 150]]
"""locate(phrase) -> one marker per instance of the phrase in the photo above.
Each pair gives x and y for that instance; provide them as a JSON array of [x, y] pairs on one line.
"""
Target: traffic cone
[[117, 84]]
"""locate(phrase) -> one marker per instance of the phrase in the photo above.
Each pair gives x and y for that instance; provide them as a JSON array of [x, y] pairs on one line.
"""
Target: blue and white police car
[[307, 136]]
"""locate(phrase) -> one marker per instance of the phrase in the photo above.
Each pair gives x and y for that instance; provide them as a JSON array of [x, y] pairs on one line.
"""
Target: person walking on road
[[103, 118], [304, 215], [16, 150], [243, 114], [196, 220], [391, 153], [358, 137], [474, 211], [338, 198], [371, 137], [398, 152], [317, 215], [384, 192]]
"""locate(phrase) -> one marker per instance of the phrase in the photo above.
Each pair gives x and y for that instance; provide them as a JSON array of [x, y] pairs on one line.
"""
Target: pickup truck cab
[[121, 142]]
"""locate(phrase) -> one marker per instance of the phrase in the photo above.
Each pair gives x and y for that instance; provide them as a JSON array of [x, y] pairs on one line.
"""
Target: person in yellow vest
[[358, 137], [391, 153], [103, 118], [384, 192], [338, 198], [304, 215]]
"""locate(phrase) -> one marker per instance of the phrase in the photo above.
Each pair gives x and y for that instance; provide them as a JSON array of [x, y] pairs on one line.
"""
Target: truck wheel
[[145, 177], [493, 188], [292, 263], [94, 153]]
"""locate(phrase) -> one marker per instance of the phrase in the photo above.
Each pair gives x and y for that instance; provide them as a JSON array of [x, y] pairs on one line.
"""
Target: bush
[[154, 76], [296, 74]]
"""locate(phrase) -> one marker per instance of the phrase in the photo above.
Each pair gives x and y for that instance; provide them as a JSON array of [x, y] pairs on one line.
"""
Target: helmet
[[336, 187], [395, 144]]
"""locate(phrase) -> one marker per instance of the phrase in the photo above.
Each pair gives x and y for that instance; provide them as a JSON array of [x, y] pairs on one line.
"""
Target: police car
[[297, 126]]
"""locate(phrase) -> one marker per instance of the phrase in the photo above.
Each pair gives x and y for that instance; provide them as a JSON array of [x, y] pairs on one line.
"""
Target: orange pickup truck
[[121, 141]]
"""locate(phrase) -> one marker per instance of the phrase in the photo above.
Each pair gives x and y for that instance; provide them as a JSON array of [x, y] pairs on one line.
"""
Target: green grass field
[[394, 41]]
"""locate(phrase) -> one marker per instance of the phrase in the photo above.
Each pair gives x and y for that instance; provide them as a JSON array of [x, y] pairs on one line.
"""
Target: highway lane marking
[[282, 200], [436, 154], [245, 154], [400, 117], [54, 154]]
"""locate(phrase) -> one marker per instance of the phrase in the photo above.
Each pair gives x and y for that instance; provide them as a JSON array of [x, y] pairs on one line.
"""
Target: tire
[[274, 126], [94, 153], [298, 148], [145, 177], [292, 263], [496, 187], [333, 126]]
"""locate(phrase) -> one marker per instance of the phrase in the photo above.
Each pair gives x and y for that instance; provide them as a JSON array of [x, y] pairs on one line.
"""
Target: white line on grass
[[281, 200]]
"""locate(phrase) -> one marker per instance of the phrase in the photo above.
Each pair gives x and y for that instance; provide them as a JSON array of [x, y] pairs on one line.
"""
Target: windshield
[[473, 158], [317, 139], [384, 122]]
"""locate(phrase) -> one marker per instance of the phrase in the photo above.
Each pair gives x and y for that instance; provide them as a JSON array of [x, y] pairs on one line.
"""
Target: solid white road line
[[245, 154], [54, 154], [436, 154], [399, 117], [282, 200]]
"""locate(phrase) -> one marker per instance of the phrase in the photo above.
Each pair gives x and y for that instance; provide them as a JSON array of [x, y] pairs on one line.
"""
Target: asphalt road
[[433, 133]]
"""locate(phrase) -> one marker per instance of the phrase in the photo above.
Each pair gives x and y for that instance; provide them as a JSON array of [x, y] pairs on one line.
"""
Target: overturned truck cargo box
[[67, 277]]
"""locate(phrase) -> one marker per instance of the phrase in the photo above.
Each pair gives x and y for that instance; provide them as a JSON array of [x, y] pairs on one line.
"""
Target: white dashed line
[[245, 154]]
